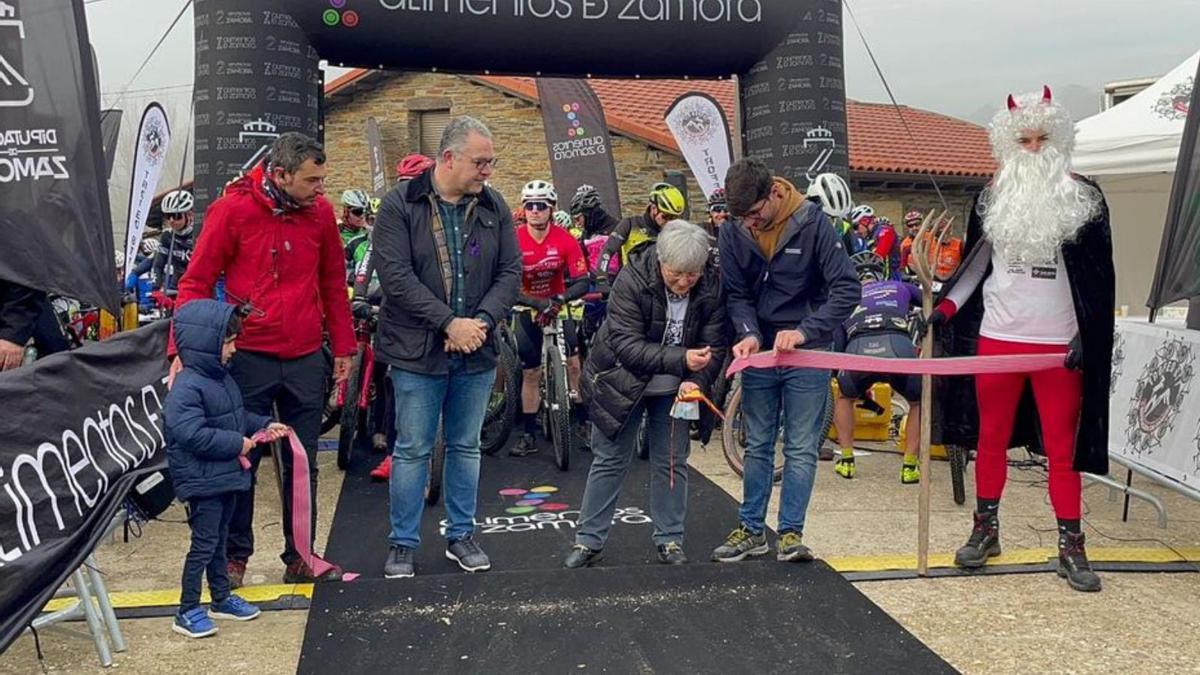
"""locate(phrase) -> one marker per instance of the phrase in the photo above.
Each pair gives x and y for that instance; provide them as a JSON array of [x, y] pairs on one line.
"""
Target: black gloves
[[1074, 359]]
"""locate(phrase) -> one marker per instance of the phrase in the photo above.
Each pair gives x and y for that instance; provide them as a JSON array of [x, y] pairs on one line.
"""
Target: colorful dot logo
[[332, 17], [574, 125], [535, 499]]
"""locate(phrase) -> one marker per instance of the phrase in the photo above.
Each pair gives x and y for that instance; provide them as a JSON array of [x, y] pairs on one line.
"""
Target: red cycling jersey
[[545, 267]]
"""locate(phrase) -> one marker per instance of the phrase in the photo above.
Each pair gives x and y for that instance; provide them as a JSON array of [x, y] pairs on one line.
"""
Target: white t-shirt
[[1028, 303]]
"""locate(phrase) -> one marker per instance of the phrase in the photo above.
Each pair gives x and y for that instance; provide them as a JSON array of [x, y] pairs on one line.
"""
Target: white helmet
[[178, 201], [150, 246], [356, 199], [833, 193], [861, 211], [538, 191]]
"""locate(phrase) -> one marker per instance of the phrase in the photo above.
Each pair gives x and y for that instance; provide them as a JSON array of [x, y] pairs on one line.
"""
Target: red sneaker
[[383, 472]]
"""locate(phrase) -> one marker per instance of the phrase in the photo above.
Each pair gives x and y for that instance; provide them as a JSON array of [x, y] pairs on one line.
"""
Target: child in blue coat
[[207, 431]]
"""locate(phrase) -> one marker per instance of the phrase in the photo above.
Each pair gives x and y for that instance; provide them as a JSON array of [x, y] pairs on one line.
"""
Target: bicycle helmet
[[563, 219], [913, 218], [356, 199], [586, 198], [412, 166], [717, 199], [376, 204], [668, 199], [869, 272], [833, 194], [150, 247], [861, 211], [538, 191], [178, 201]]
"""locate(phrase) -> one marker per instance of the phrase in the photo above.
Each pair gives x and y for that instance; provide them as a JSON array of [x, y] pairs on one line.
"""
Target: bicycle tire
[[349, 419], [437, 466], [558, 407], [958, 470], [733, 435], [505, 400]]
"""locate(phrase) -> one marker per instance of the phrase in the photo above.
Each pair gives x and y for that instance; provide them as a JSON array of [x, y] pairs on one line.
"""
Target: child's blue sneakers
[[234, 608], [194, 623]]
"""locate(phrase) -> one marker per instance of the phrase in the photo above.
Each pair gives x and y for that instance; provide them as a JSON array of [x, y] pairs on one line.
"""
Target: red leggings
[[1058, 394]]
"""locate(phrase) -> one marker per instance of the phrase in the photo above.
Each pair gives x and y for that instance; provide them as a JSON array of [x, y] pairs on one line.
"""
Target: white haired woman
[[664, 337]]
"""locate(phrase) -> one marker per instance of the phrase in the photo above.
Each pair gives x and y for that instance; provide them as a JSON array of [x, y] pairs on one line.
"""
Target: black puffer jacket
[[629, 348]]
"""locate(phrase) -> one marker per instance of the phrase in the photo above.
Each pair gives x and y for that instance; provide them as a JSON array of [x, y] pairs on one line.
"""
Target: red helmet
[[412, 166], [913, 217]]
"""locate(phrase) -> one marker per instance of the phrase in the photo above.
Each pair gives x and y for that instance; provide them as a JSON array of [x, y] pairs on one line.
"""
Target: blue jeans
[[799, 394], [422, 401]]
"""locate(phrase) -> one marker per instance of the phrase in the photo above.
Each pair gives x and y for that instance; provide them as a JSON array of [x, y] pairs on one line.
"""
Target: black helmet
[[586, 198]]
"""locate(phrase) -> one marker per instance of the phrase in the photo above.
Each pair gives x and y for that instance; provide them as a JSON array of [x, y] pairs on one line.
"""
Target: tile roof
[[945, 146]]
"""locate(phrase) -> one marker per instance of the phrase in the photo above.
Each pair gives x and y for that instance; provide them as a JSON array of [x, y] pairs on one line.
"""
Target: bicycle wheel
[[505, 400], [733, 435], [437, 465], [350, 417], [958, 470], [558, 410]]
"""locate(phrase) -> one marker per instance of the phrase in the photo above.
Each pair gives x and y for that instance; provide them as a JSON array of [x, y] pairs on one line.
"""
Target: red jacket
[[290, 266]]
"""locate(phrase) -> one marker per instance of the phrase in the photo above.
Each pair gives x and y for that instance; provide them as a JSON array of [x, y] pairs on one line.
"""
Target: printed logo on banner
[[333, 17], [154, 139], [1174, 104], [574, 124], [15, 91], [1118, 360], [1160, 392], [542, 508], [697, 122]]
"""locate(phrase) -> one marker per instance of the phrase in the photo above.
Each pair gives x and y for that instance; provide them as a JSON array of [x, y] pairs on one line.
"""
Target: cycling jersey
[[546, 266], [883, 242], [354, 243], [171, 261], [628, 236], [884, 307]]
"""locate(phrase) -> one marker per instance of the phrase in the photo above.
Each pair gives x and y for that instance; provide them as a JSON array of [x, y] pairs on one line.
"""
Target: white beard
[[1034, 204]]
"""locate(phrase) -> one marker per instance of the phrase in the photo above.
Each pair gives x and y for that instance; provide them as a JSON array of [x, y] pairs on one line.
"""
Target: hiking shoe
[[671, 553], [984, 543], [581, 556], [399, 563], [299, 572], [236, 571], [909, 474], [844, 467], [194, 623], [825, 453], [469, 556], [233, 607], [739, 544], [790, 549], [1073, 564], [524, 447], [383, 472]]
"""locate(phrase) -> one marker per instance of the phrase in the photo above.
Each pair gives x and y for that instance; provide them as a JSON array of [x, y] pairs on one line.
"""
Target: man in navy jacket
[[789, 283]]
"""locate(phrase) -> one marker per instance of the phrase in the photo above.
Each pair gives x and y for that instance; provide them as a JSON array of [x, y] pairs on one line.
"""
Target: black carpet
[[628, 614]]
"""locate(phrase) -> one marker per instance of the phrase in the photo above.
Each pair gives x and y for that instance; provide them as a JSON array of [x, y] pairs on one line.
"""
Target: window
[[431, 124]]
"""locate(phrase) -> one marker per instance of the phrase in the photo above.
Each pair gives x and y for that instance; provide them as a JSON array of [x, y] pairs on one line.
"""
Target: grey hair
[[683, 247], [454, 137], [292, 149]]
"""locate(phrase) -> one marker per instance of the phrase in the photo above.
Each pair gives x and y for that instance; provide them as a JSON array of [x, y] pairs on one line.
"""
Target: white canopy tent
[[1131, 150]]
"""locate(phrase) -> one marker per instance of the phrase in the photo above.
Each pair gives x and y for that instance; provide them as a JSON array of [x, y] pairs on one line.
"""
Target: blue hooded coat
[[205, 419]]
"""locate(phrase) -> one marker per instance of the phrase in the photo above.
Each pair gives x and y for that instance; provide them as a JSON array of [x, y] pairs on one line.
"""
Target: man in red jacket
[[275, 238]]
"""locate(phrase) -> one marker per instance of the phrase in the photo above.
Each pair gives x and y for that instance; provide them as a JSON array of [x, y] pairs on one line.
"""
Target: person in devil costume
[[1037, 278]]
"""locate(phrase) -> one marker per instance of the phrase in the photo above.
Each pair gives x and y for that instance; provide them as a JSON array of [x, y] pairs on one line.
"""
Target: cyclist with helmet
[[880, 237], [912, 222], [412, 166], [666, 204], [373, 210], [879, 326], [718, 211], [833, 194], [588, 214], [353, 228], [554, 272], [176, 242]]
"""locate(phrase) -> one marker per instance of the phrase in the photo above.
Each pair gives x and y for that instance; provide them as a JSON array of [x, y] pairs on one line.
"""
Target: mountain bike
[[354, 395], [505, 401], [555, 412], [733, 431]]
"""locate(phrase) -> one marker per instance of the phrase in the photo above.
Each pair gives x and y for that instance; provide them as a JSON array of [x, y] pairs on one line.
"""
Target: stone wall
[[516, 125]]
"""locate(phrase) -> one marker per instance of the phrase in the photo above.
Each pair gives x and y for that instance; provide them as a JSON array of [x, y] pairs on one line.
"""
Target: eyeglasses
[[357, 212], [537, 206], [718, 209], [175, 216], [754, 213], [481, 164]]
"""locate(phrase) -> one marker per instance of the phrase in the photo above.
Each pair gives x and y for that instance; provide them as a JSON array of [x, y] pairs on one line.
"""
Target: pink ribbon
[[302, 508], [956, 365]]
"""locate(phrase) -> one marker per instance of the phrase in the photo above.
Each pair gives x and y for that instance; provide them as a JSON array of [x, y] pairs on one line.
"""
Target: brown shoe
[[299, 572], [236, 571]]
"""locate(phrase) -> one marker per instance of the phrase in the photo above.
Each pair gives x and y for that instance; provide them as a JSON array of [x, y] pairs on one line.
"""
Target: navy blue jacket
[[204, 418], [809, 284]]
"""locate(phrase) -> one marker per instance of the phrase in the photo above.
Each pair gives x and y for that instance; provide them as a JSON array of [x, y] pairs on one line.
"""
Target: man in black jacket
[[26, 313], [450, 270], [663, 341], [789, 284]]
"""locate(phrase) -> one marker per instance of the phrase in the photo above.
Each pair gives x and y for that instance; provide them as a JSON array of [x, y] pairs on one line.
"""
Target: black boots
[[983, 544], [1073, 564]]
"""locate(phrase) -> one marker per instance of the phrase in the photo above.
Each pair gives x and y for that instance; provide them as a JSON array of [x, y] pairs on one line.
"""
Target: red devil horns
[[1013, 106]]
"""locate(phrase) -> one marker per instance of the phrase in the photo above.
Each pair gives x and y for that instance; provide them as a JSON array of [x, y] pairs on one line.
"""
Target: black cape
[[1088, 260]]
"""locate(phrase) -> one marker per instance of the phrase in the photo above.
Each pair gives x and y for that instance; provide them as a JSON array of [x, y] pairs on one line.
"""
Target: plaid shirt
[[454, 221]]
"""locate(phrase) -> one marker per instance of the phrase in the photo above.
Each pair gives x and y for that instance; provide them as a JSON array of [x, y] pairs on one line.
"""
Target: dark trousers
[[296, 388], [209, 519]]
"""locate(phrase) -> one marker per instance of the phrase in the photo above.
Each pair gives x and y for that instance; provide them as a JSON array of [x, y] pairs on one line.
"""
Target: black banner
[[1177, 276], [110, 133], [256, 78], [79, 428], [573, 38], [54, 215], [794, 100], [379, 183], [577, 140]]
